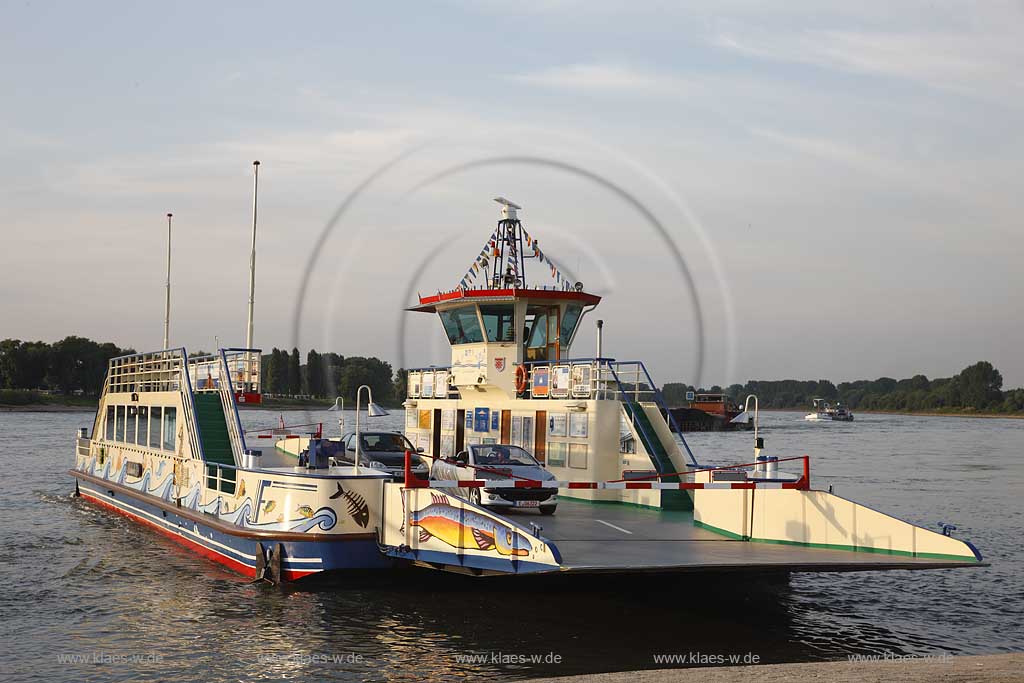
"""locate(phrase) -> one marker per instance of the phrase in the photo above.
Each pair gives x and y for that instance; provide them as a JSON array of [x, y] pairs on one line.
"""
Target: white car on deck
[[499, 462]]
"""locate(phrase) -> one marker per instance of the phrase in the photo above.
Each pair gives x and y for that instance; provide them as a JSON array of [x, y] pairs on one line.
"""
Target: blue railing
[[660, 400], [194, 435], [230, 397], [641, 388]]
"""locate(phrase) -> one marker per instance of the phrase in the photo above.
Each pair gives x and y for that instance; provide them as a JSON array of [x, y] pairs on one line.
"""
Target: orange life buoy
[[521, 378]]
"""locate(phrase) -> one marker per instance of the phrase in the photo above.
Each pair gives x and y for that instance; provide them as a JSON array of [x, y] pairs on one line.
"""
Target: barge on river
[[167, 448]]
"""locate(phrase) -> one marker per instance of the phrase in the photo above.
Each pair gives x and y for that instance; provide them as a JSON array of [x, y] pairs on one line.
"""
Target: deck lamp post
[[372, 410], [339, 406]]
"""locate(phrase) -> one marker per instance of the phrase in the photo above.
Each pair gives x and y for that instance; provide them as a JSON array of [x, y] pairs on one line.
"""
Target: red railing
[[802, 484], [282, 431]]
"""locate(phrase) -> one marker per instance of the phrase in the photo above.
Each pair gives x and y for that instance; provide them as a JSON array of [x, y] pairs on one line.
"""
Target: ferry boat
[[825, 411], [167, 448]]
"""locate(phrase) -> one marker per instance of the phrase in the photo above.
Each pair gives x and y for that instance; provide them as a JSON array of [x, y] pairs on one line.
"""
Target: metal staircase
[[634, 387], [642, 402], [213, 429]]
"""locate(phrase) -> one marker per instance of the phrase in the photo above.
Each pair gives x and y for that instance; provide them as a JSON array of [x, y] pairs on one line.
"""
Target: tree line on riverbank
[[976, 388], [327, 375], [76, 366], [71, 366]]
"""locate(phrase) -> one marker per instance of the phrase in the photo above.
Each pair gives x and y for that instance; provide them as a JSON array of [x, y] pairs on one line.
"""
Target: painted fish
[[305, 511], [442, 520], [358, 510], [241, 488], [268, 506]]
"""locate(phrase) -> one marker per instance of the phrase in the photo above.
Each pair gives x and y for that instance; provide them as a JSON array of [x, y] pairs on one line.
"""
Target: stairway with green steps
[[213, 428], [670, 500]]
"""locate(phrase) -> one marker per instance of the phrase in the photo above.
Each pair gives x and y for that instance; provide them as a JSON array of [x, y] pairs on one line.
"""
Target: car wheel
[[547, 510], [475, 497]]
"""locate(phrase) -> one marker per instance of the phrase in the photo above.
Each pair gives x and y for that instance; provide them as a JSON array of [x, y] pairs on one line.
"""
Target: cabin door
[[554, 344], [506, 426], [460, 431], [541, 333], [435, 441], [541, 441]]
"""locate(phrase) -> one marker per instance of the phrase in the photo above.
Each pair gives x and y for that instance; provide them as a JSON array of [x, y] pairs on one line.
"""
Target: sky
[[819, 190]]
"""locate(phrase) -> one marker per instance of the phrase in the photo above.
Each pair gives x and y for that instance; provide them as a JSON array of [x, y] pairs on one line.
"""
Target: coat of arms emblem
[[499, 364]]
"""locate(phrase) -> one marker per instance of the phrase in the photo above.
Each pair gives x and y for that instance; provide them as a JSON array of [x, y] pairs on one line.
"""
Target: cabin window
[[499, 322], [155, 413], [129, 428], [143, 436], [541, 333], [536, 327], [170, 427], [110, 423], [461, 325], [569, 320], [119, 429]]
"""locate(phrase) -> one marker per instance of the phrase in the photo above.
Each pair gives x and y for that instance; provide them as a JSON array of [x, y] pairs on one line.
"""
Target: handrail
[[195, 436], [227, 399], [648, 442], [642, 383], [285, 427], [660, 399], [805, 480]]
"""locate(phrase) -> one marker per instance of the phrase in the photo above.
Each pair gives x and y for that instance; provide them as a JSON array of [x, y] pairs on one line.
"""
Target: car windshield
[[376, 443], [501, 455]]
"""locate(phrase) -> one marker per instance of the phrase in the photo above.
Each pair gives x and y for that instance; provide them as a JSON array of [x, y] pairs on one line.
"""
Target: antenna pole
[[252, 254], [167, 299]]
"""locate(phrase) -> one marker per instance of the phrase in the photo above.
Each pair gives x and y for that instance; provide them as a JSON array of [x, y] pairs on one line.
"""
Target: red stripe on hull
[[220, 558]]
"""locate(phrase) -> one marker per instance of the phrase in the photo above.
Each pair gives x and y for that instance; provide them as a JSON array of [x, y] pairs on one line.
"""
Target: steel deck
[[595, 537]]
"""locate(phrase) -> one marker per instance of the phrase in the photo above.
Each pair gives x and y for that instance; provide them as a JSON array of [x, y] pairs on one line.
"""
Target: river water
[[92, 596]]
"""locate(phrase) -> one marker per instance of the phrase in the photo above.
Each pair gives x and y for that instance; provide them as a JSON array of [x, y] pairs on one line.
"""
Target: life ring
[[521, 377]]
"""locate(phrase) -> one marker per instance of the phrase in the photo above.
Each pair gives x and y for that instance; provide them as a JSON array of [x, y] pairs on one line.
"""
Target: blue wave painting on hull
[[323, 519]]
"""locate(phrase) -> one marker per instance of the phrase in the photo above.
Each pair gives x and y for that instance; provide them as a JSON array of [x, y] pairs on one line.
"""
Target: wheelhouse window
[[461, 325], [499, 322], [143, 435], [570, 319], [170, 428], [536, 327], [110, 423], [155, 413], [119, 429]]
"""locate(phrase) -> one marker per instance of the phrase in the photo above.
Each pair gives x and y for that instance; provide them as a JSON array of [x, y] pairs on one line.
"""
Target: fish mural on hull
[[468, 529], [358, 510]]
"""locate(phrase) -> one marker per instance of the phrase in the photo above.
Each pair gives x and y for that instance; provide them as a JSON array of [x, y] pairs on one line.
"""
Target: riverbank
[[1000, 668], [48, 408], [915, 413], [47, 404]]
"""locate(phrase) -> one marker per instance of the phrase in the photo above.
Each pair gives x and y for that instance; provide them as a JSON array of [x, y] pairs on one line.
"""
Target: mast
[[252, 254], [167, 299], [508, 250]]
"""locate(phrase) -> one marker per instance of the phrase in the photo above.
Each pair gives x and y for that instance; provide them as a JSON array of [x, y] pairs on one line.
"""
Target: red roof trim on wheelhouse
[[428, 304]]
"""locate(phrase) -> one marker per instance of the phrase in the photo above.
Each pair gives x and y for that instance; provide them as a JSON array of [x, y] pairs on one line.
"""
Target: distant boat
[[825, 411], [710, 413]]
